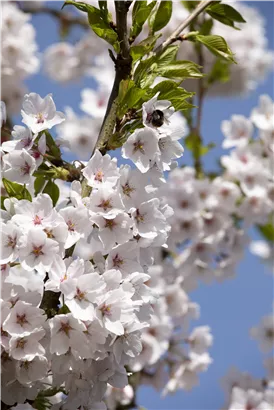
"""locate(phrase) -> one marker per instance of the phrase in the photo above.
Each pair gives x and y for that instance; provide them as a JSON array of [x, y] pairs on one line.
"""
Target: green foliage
[[53, 191], [52, 148], [225, 14], [189, 5], [130, 96], [194, 144], [140, 13], [99, 21], [217, 45], [206, 27], [160, 16], [2, 201], [15, 190], [267, 230], [170, 90], [219, 73], [144, 47], [39, 184], [179, 70]]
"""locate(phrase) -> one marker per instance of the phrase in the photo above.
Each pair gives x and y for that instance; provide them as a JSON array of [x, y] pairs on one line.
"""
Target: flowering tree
[[98, 257]]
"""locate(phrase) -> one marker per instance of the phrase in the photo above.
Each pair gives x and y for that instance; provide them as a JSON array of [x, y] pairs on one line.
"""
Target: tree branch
[[174, 36], [64, 18], [123, 69]]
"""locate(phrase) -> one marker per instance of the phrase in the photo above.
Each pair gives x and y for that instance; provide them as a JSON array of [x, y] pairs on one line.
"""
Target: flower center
[[117, 261], [21, 319], [40, 118], [105, 204], [25, 169], [139, 217], [70, 225], [106, 310], [37, 251], [21, 343], [11, 242], [65, 327], [138, 146], [79, 295], [37, 220], [99, 176], [127, 189], [110, 223]]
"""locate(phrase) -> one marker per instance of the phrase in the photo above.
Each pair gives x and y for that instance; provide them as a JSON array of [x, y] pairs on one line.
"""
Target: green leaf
[[39, 184], [129, 97], [193, 144], [267, 231], [170, 90], [144, 47], [217, 45], [189, 5], [219, 72], [15, 190], [146, 72], [225, 14], [53, 191], [206, 27], [2, 201], [53, 149], [161, 16], [168, 56], [179, 70], [140, 13], [99, 21]]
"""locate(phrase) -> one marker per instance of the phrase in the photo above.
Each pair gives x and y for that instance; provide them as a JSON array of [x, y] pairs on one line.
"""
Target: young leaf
[[217, 45], [168, 56], [39, 184], [53, 191], [53, 149], [15, 190], [170, 90], [219, 72], [161, 16], [129, 97], [144, 47], [180, 70], [267, 231], [140, 13], [99, 21], [225, 14]]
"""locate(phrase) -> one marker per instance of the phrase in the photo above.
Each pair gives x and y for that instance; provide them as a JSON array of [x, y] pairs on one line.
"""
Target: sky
[[230, 308]]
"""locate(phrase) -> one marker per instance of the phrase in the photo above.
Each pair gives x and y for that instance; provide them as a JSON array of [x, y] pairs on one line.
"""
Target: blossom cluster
[[95, 253], [243, 390], [17, 61], [212, 216]]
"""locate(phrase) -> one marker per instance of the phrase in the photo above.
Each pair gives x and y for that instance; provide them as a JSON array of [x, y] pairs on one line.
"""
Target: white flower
[[264, 333], [40, 113], [62, 270], [170, 149], [23, 319], [263, 116], [27, 347], [132, 186], [105, 202], [77, 223], [238, 131], [3, 113], [37, 251], [101, 169], [30, 371], [10, 235], [124, 258], [81, 293], [148, 220], [66, 332], [250, 399], [200, 339], [109, 311], [23, 139], [141, 147], [38, 213], [61, 62], [113, 231], [156, 113], [129, 343], [18, 166], [94, 102]]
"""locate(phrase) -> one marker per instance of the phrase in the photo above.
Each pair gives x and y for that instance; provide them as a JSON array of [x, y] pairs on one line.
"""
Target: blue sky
[[230, 308]]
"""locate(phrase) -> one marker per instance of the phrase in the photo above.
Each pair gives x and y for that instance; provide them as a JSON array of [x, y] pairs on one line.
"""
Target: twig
[[174, 36], [64, 18], [123, 69]]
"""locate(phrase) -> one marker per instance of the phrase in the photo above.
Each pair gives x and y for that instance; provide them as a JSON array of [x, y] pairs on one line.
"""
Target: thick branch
[[58, 14], [174, 36], [122, 67]]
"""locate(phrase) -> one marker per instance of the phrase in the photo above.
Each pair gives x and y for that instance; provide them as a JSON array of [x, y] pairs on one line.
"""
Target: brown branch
[[64, 18], [123, 64], [174, 36]]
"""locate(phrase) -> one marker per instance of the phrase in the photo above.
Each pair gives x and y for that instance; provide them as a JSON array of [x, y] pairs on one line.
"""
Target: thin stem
[[174, 36], [58, 14], [123, 69]]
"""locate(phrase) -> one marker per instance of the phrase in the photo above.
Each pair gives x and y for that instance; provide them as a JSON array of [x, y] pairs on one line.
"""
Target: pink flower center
[[37, 251], [37, 220], [70, 225], [21, 319], [40, 118]]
